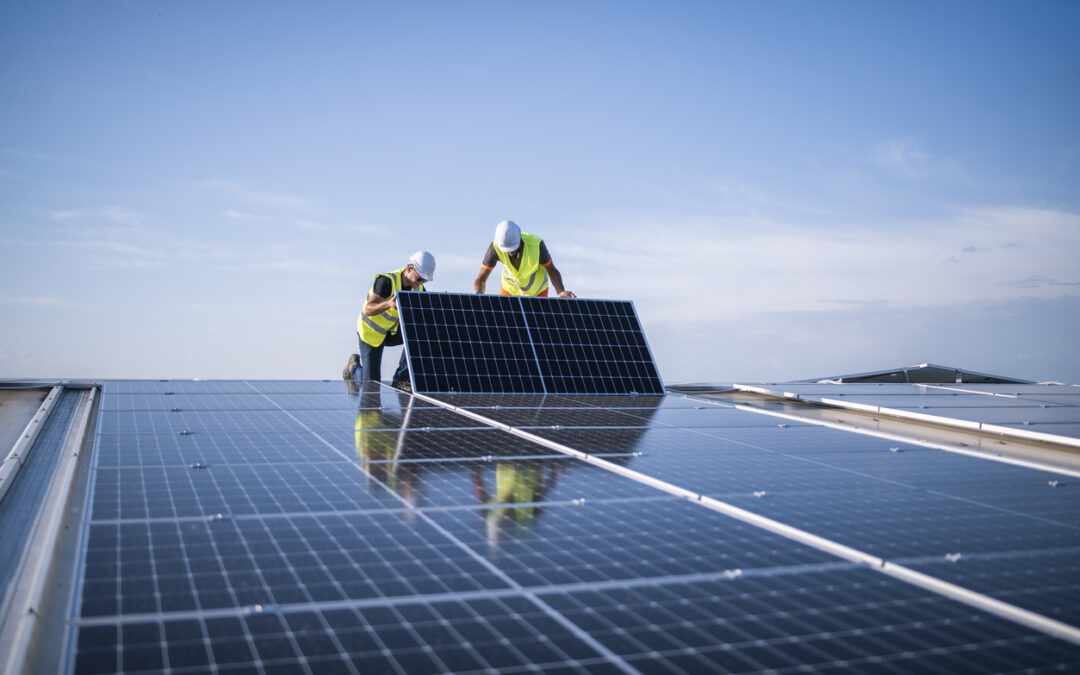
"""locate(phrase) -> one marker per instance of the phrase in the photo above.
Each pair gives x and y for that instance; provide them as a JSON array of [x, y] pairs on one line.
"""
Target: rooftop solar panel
[[461, 547], [1046, 412], [467, 343]]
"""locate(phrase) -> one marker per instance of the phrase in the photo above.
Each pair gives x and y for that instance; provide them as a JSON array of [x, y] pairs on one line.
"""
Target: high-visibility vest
[[374, 329], [374, 449], [530, 278], [517, 486]]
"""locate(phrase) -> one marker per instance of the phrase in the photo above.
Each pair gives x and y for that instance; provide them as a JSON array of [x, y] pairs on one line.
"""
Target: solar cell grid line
[[465, 344], [419, 629], [597, 338], [976, 600], [611, 658], [469, 343]]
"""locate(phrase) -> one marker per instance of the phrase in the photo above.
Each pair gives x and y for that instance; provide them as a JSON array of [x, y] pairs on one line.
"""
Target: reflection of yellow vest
[[517, 483], [374, 329], [530, 278], [375, 446]]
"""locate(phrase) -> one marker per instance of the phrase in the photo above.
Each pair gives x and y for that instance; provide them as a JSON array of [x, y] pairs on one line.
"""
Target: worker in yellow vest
[[521, 487], [527, 265], [377, 326]]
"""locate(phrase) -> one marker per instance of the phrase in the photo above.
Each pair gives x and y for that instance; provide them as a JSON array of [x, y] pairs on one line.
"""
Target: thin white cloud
[[362, 228], [36, 155], [235, 214], [251, 196], [114, 214], [446, 262], [725, 269], [292, 265], [1038, 282], [34, 301], [904, 156]]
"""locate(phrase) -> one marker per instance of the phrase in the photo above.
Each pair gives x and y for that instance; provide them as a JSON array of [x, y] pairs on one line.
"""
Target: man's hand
[[377, 304], [566, 294]]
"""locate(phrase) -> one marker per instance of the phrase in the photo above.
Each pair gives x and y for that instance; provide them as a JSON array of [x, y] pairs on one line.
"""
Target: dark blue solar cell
[[466, 343], [399, 544]]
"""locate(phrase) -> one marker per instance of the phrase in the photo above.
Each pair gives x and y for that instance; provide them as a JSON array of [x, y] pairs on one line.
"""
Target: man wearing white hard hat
[[527, 264], [377, 325]]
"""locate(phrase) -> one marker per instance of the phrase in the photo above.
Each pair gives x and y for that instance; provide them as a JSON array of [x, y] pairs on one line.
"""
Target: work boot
[[350, 383], [403, 385], [353, 362]]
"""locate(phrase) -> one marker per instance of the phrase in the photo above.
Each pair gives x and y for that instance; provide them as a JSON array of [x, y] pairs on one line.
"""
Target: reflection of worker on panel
[[520, 486], [380, 442]]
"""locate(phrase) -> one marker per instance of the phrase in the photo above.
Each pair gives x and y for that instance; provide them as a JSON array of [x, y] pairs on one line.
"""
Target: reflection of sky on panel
[[501, 633], [1050, 416], [969, 401], [248, 401], [160, 401], [195, 421], [605, 541], [828, 621], [184, 492], [252, 447], [567, 401], [1041, 581], [568, 417], [188, 564], [507, 482], [880, 496], [439, 444], [902, 522], [172, 387], [389, 418], [367, 517], [705, 443]]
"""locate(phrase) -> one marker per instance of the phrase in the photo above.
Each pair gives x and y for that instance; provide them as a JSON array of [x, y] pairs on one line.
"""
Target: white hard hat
[[424, 264], [507, 236]]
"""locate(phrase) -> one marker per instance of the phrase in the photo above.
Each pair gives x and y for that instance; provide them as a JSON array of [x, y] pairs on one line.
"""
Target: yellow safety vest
[[375, 449], [530, 278], [516, 483], [374, 329]]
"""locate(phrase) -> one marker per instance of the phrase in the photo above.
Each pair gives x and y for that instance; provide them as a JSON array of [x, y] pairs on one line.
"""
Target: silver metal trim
[[25, 445], [36, 566]]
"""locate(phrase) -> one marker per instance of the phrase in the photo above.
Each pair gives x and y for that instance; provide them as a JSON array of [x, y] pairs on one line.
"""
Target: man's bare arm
[[481, 279], [556, 281]]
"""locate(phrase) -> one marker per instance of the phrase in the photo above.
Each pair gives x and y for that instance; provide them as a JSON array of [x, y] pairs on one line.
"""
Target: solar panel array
[[1032, 410], [468, 343], [290, 527]]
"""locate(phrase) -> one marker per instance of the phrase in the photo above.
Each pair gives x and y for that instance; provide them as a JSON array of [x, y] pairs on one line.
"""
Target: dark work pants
[[371, 360]]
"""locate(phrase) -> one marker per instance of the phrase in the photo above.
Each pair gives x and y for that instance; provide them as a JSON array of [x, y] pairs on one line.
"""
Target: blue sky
[[784, 189]]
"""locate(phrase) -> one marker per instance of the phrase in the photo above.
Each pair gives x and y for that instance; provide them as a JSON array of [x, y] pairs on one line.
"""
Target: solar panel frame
[[476, 343]]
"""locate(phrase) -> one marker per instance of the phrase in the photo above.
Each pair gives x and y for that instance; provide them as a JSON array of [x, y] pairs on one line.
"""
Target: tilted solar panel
[[467, 343]]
